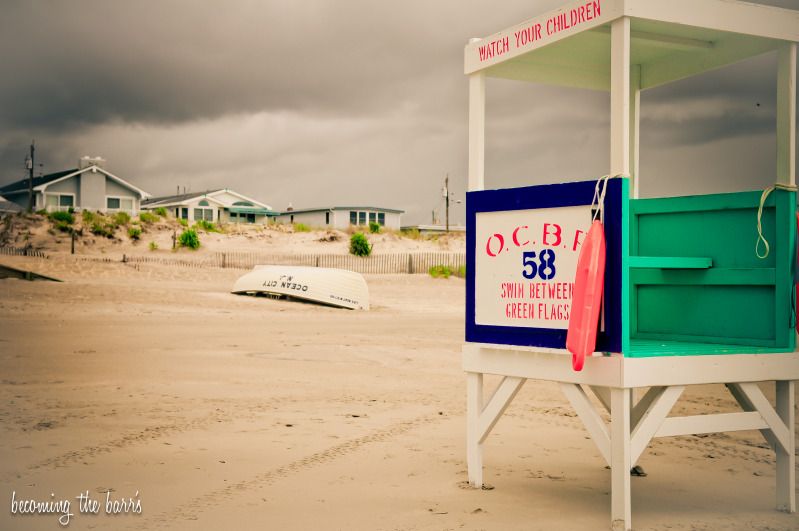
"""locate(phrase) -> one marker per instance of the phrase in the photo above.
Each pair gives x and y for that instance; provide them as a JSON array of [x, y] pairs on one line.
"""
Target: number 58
[[545, 268]]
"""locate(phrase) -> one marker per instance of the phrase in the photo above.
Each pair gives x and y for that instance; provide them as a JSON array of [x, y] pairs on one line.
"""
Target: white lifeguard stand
[[624, 47]]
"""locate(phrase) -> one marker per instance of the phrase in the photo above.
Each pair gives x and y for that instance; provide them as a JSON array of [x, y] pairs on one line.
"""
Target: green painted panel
[[740, 300], [714, 311], [727, 236]]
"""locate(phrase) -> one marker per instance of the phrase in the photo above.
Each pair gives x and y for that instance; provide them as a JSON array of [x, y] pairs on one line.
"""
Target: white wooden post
[[786, 114], [477, 118], [620, 96], [635, 122], [786, 457], [474, 448], [621, 462]]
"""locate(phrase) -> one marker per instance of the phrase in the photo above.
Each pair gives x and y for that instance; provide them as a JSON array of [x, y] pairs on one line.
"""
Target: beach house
[[341, 217], [90, 186], [215, 206]]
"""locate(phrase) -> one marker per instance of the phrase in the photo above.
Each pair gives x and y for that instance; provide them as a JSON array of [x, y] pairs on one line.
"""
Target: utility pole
[[29, 164], [446, 199]]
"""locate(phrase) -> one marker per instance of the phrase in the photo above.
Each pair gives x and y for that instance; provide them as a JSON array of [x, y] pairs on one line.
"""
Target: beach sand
[[235, 412]]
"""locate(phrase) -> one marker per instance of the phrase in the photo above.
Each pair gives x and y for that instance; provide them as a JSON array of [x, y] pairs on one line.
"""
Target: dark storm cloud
[[331, 101], [88, 62]]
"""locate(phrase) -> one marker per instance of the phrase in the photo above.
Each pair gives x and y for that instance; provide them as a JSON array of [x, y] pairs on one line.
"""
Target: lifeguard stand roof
[[669, 41]]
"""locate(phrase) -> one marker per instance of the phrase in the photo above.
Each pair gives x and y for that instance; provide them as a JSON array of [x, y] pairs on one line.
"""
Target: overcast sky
[[345, 102]]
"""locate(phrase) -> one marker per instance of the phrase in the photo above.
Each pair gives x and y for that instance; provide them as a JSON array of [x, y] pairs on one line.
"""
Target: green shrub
[[121, 218], [374, 227], [412, 234], [64, 217], [439, 271], [207, 226], [134, 233], [63, 226], [161, 211], [101, 228], [147, 217], [153, 246], [301, 227], [359, 245], [183, 222], [88, 216], [188, 238]]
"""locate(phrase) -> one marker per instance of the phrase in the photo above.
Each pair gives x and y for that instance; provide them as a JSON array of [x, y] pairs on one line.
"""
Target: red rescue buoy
[[587, 296]]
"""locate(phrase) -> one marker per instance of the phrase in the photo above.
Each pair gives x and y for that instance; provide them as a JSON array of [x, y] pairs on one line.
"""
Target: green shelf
[[670, 262]]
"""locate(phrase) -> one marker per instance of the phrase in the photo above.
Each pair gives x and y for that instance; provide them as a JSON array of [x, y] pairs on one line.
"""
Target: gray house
[[88, 187]]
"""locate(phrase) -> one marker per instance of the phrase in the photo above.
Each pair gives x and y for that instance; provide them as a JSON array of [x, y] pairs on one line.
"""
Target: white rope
[[760, 236], [599, 196]]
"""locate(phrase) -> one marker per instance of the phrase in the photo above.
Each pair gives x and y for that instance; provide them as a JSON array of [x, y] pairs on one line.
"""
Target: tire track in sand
[[150, 433], [190, 510]]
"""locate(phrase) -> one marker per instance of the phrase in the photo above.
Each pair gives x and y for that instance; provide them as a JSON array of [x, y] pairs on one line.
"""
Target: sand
[[234, 412]]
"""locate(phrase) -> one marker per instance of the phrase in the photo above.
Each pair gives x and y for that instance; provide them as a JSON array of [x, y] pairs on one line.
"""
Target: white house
[[216, 206], [341, 217], [89, 187]]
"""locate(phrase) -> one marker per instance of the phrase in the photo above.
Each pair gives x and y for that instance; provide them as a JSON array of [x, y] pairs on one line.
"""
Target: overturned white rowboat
[[334, 287]]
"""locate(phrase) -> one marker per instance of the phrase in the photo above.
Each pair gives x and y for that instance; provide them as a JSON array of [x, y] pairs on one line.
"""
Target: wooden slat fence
[[376, 264], [22, 251]]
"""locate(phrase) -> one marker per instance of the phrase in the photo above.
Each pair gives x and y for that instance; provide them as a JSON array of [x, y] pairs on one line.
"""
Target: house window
[[54, 202], [119, 203], [353, 217], [372, 217], [381, 218], [361, 218], [184, 213], [327, 218], [206, 214], [203, 203], [250, 218], [292, 219]]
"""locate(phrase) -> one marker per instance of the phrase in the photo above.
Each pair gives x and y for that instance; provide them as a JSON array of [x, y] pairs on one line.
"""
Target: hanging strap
[[598, 202], [763, 197]]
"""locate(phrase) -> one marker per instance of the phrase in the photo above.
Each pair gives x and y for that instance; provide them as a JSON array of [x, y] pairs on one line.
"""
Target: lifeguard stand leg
[[621, 461], [474, 448], [786, 457]]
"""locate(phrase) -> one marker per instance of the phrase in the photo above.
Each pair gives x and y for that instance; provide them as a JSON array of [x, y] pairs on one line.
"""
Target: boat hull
[[333, 287]]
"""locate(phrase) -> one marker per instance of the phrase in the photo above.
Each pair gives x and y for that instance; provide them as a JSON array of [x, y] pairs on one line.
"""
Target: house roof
[[22, 184], [41, 183], [179, 199], [8, 206], [328, 209]]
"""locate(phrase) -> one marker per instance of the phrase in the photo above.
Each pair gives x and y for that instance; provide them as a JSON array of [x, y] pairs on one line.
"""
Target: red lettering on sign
[[494, 48], [577, 240], [554, 233], [516, 236], [501, 241]]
